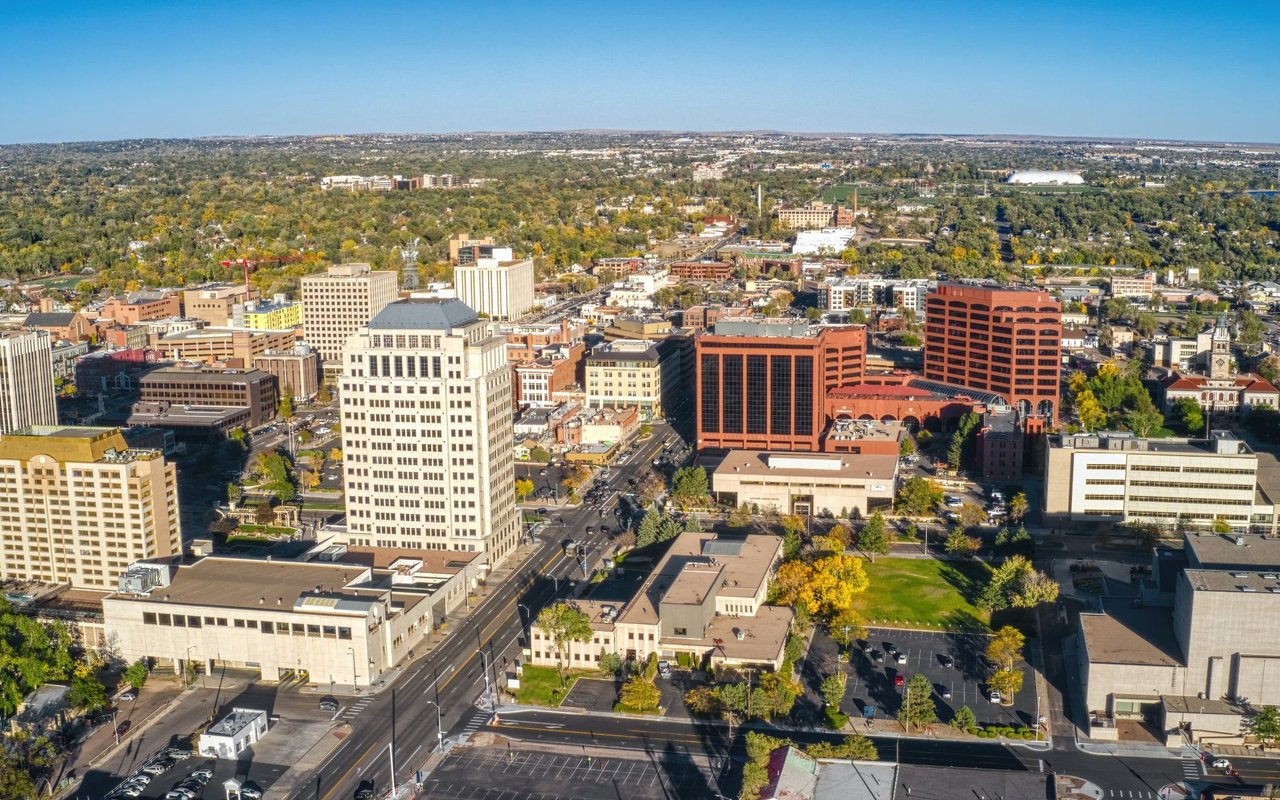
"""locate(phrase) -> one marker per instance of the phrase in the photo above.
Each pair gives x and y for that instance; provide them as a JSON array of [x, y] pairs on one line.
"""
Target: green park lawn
[[541, 686], [923, 593]]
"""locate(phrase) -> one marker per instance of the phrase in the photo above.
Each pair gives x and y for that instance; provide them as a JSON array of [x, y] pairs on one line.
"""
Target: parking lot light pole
[[352, 651], [439, 725]]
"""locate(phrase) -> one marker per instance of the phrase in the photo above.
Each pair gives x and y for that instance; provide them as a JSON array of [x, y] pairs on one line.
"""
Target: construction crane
[[256, 262]]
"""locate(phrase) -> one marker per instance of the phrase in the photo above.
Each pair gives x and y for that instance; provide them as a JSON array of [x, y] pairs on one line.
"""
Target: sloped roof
[[60, 319], [427, 313]]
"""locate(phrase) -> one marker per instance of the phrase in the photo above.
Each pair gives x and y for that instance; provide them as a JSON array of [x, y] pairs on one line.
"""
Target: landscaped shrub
[[836, 719]]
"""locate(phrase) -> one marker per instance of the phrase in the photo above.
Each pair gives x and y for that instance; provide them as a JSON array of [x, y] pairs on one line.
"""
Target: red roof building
[[1234, 396]]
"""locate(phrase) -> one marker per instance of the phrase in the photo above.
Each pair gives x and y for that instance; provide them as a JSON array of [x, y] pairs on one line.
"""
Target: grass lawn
[[541, 686], [923, 593]]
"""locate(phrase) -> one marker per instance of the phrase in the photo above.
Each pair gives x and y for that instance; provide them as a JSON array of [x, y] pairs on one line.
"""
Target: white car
[[951, 501], [900, 658], [995, 696], [1221, 763]]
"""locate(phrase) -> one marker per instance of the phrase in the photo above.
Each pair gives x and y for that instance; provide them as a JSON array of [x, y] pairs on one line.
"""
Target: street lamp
[[391, 757], [352, 651], [439, 724]]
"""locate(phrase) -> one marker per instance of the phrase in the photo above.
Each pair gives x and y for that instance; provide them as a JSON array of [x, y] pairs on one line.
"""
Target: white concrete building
[[500, 289], [427, 412], [806, 483], [1045, 177], [827, 240], [26, 380], [336, 303], [1118, 477], [233, 734]]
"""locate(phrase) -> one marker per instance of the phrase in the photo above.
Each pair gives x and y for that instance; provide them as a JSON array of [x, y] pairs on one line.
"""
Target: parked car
[[1221, 763], [943, 692], [901, 658], [994, 696], [128, 697], [250, 793], [364, 793], [664, 669], [951, 501], [877, 657], [123, 728], [899, 681], [329, 705], [948, 662]]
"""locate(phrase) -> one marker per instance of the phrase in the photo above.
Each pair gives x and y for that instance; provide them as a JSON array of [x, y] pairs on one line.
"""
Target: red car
[[898, 680], [123, 728]]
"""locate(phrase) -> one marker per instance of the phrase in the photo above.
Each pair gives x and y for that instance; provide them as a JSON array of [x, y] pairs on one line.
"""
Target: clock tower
[[1220, 352]]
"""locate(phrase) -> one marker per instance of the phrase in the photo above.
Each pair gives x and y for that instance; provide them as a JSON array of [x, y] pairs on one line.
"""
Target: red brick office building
[[761, 384], [1003, 341]]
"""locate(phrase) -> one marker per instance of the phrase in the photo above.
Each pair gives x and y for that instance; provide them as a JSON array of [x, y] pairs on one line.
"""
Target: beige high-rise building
[[337, 303], [26, 381], [498, 287], [427, 428], [78, 506]]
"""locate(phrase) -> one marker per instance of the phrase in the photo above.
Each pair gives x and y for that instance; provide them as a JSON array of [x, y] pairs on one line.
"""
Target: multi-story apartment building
[[277, 315], [338, 302], [499, 287], [253, 389], [79, 506], [1004, 341], [26, 380], [559, 367], [634, 372], [1118, 477], [873, 291], [706, 597], [702, 270], [1133, 285], [462, 246], [815, 215], [143, 305], [216, 303], [233, 347], [761, 383], [525, 343], [427, 424]]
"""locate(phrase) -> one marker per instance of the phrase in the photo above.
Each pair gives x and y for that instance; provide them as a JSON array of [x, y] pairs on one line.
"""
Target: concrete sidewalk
[[1241, 751]]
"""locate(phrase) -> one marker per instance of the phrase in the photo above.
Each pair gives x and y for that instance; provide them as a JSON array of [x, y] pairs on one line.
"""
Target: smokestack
[[855, 202], [759, 198]]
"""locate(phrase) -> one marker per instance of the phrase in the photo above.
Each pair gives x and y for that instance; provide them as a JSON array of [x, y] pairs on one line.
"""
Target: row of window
[[265, 626]]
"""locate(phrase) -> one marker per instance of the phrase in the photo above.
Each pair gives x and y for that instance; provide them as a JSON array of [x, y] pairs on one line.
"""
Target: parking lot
[[491, 773], [871, 682]]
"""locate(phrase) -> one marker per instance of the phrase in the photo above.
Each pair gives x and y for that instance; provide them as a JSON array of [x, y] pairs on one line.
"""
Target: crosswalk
[[478, 720], [352, 711], [1190, 766]]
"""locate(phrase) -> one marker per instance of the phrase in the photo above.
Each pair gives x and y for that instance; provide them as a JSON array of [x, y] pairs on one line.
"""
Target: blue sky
[[74, 70]]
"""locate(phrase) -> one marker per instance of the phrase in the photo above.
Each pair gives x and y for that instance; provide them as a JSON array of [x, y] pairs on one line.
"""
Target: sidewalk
[[1240, 750]]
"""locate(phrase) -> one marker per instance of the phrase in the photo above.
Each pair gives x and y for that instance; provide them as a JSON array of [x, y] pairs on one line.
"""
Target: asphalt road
[[1118, 776], [453, 675]]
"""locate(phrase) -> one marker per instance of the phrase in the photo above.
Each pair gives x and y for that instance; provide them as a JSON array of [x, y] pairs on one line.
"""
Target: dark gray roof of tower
[[424, 314]]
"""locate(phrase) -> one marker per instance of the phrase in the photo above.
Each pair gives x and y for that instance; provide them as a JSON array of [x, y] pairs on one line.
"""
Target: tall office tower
[[81, 506], [26, 381], [762, 383], [428, 434], [340, 301], [1004, 341], [500, 287]]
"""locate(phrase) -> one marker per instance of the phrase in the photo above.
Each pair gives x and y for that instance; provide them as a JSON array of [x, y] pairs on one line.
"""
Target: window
[[193, 622], [680, 631], [267, 627], [165, 619], [344, 633], [148, 618]]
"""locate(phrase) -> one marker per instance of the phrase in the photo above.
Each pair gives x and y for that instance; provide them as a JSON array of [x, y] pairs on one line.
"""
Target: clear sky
[[114, 69]]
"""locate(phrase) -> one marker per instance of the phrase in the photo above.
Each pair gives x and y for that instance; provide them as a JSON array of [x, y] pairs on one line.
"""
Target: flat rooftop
[[236, 721], [1266, 581], [203, 375], [693, 584], [219, 582], [1214, 550], [844, 466], [66, 444], [1123, 634]]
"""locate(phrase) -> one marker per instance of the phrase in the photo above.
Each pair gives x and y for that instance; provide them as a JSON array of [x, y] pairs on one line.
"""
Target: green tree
[[833, 688], [872, 539], [919, 497], [639, 696], [853, 748], [1144, 421], [917, 702], [1250, 330], [1018, 507], [1265, 725], [971, 515], [908, 445], [136, 674], [647, 531], [540, 455], [1269, 368], [841, 537], [845, 627], [732, 696], [689, 486], [1221, 525], [1187, 412], [284, 408], [563, 623], [963, 441], [965, 720], [1146, 325], [740, 517], [87, 693], [702, 701], [958, 543], [610, 663]]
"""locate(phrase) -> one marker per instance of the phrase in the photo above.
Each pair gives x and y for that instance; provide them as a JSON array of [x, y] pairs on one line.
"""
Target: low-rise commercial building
[[705, 597], [297, 370], [253, 389], [233, 734], [139, 306], [559, 367], [79, 506], [807, 483], [1118, 477], [344, 619], [216, 303]]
